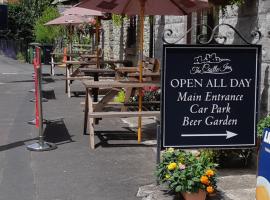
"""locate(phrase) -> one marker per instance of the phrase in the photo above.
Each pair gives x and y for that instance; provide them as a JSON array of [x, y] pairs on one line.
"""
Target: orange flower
[[210, 189], [204, 180], [210, 173]]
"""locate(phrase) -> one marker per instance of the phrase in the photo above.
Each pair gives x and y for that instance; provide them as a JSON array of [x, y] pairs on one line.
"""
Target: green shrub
[[47, 34], [263, 123], [20, 57], [120, 97]]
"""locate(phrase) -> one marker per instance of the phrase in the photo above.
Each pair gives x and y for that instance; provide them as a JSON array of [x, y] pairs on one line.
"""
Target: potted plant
[[191, 174]]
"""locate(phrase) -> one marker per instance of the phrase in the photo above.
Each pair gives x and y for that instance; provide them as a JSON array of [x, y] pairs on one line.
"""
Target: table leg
[[52, 66], [68, 81], [91, 122], [86, 110], [95, 93]]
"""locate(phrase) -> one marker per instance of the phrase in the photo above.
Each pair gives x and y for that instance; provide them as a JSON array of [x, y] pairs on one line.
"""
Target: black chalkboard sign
[[210, 96]]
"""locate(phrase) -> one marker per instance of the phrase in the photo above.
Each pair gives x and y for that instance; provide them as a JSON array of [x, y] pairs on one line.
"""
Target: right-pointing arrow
[[228, 135]]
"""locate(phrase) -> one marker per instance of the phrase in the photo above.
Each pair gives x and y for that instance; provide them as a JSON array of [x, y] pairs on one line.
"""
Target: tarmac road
[[114, 171]]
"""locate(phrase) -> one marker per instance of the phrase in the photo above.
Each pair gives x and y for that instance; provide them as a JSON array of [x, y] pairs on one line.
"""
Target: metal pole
[[158, 147], [41, 145]]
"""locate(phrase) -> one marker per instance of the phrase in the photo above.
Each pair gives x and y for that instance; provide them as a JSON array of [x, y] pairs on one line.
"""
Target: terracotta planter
[[201, 195]]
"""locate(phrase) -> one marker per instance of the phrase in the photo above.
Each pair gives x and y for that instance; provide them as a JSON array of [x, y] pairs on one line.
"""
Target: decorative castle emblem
[[210, 64]]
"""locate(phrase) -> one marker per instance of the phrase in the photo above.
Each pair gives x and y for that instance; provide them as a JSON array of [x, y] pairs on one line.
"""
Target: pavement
[[118, 169]]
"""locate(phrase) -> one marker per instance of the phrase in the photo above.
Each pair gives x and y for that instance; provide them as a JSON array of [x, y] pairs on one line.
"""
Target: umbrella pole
[[70, 41], [97, 41], [141, 68]]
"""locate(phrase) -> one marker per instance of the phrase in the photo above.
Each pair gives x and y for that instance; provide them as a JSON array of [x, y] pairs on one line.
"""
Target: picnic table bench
[[95, 110]]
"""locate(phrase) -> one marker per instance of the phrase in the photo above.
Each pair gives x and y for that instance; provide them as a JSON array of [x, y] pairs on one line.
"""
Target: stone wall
[[251, 16], [115, 37], [178, 26]]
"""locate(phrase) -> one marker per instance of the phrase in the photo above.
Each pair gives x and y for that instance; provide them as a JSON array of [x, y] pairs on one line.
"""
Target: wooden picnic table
[[96, 73], [88, 68], [69, 65], [95, 110]]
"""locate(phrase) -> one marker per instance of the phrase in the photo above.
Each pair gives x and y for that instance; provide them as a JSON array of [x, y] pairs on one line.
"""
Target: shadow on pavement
[[22, 81], [129, 138], [15, 144], [57, 133], [48, 79], [48, 94]]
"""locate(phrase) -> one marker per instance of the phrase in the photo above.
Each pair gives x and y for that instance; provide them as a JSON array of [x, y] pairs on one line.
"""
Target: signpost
[[210, 95]]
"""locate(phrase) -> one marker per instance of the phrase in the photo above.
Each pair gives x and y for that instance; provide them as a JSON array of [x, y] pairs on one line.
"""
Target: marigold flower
[[204, 180], [172, 166], [210, 189], [210, 173], [167, 176], [170, 150]]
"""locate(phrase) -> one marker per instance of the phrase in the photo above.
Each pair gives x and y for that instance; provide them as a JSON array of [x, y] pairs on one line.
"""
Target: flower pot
[[201, 195]]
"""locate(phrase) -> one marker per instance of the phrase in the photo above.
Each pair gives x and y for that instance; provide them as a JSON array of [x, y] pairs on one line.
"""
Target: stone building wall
[[114, 39], [177, 24], [255, 14]]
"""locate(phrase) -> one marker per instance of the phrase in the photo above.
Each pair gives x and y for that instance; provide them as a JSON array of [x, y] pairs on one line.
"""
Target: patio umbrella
[[84, 12], [69, 21], [142, 8]]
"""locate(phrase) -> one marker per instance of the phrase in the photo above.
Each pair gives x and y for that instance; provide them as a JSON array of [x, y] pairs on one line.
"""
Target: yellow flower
[[210, 173], [210, 189], [205, 180], [167, 176], [170, 150], [172, 166]]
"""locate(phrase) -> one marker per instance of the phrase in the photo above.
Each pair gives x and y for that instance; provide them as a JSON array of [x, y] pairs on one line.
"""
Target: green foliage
[[185, 171], [22, 16], [263, 123], [120, 97], [20, 57], [232, 157], [118, 19], [47, 34]]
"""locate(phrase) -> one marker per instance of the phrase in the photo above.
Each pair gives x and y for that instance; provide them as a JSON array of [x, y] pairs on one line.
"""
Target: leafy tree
[[22, 17], [47, 34]]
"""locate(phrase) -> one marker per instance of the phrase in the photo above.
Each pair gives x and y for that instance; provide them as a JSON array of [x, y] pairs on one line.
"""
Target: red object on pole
[[37, 64]]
